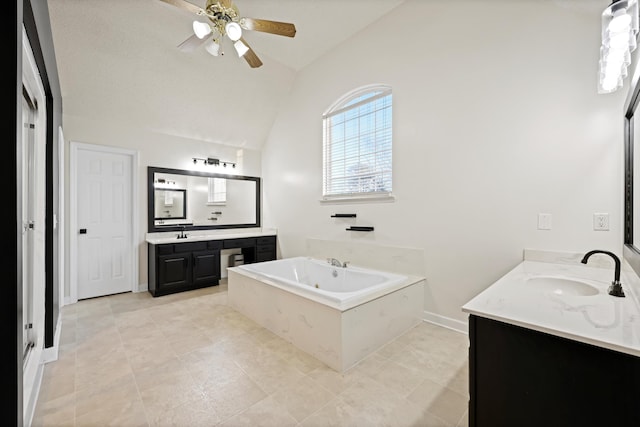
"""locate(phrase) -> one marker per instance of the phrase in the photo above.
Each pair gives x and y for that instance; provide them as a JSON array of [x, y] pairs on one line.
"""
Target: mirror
[[201, 200], [631, 249], [170, 205]]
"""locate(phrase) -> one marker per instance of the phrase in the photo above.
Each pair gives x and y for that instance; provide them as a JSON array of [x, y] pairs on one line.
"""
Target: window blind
[[217, 190], [358, 146]]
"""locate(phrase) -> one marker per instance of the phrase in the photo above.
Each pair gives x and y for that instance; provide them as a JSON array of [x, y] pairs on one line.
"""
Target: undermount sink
[[562, 286]]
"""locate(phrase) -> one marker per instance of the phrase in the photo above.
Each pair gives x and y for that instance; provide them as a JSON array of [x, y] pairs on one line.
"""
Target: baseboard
[[32, 399], [446, 322], [143, 287]]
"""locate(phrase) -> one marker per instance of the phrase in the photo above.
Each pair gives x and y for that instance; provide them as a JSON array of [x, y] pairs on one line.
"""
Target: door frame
[[73, 208]]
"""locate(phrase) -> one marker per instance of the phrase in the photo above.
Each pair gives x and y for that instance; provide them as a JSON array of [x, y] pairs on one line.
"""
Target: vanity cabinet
[[523, 377], [177, 267]]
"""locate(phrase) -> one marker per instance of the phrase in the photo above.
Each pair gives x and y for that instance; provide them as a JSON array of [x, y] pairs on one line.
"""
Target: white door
[[104, 222]]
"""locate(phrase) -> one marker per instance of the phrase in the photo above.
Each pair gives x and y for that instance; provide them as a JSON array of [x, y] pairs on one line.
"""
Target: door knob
[[83, 231]]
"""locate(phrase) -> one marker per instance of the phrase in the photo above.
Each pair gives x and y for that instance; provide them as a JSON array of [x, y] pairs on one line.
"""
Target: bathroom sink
[[562, 286]]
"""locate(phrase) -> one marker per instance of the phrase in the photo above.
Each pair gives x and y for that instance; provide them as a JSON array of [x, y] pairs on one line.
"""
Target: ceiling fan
[[225, 20]]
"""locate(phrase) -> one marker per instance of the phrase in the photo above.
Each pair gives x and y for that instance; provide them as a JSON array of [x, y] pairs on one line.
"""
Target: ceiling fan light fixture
[[201, 29], [213, 47], [241, 48], [233, 30]]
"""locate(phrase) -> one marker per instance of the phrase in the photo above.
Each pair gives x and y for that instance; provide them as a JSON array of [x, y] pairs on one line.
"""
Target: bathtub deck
[[340, 339]]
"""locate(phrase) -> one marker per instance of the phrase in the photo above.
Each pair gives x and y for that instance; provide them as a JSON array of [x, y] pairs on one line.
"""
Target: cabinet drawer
[[265, 248], [189, 247], [214, 244], [267, 240], [265, 256], [239, 243], [164, 249]]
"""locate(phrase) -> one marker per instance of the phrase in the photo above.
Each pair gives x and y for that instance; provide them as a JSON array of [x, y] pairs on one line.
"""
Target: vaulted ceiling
[[119, 64]]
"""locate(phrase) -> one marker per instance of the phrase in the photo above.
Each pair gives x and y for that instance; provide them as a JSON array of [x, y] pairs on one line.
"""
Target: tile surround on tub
[[410, 261]]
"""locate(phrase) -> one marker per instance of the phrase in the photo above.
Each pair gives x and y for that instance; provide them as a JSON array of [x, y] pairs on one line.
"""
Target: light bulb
[[233, 30], [213, 47], [241, 48], [201, 29]]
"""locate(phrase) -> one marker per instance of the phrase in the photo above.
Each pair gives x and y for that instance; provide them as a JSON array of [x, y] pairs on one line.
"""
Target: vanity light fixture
[[212, 161], [619, 39]]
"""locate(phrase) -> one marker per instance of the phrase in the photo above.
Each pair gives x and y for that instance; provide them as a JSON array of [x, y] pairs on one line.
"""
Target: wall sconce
[[212, 161], [619, 39]]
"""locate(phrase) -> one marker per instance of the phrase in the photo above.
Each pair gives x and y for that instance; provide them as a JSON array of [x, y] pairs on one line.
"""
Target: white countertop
[[200, 235], [602, 320]]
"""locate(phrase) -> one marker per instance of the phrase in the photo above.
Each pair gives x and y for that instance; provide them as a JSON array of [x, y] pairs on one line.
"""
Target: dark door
[[206, 268], [174, 271]]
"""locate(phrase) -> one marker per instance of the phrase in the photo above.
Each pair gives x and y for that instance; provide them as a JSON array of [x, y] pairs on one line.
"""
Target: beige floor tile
[[189, 359], [302, 397], [266, 413], [234, 396], [398, 378], [129, 413], [440, 401], [170, 393], [334, 381], [197, 413], [57, 412], [113, 394]]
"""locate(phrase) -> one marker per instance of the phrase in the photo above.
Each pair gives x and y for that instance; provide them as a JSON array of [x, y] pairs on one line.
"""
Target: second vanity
[[550, 347], [192, 262]]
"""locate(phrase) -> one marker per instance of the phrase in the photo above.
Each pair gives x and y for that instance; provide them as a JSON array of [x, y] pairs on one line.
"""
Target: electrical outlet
[[544, 221], [601, 221]]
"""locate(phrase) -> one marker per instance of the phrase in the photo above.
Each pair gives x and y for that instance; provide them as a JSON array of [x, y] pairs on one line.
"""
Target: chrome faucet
[[334, 262], [616, 287]]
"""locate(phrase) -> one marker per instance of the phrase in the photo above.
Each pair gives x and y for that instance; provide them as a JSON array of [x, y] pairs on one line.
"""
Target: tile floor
[[190, 360]]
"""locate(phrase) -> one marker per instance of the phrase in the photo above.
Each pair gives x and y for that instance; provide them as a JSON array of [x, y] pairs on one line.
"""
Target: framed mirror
[[170, 205], [198, 200], [631, 250]]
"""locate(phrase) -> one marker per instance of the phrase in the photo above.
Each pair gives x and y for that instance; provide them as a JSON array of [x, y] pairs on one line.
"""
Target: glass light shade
[[241, 48], [201, 29], [619, 39], [233, 30], [212, 47]]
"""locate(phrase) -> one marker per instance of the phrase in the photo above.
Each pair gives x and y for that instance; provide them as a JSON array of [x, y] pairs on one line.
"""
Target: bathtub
[[338, 315]]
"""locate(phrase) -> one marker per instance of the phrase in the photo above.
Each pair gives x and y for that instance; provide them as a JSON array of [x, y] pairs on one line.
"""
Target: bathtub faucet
[[336, 263]]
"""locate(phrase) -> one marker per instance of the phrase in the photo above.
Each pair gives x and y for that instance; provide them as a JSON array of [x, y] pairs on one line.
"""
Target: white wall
[[155, 149], [496, 119]]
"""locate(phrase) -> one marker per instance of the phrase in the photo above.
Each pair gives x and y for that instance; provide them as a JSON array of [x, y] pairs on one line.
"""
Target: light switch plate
[[544, 221]]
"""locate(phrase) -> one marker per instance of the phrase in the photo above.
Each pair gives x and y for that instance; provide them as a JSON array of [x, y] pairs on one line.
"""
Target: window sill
[[377, 198]]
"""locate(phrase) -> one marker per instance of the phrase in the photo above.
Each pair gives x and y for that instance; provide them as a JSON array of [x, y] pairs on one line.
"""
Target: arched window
[[357, 144]]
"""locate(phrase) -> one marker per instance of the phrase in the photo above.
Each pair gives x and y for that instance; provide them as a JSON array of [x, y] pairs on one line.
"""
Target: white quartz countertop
[[601, 319], [200, 235]]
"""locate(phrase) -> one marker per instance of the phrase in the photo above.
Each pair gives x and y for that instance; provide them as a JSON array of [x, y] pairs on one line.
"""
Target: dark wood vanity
[[182, 266], [526, 378], [193, 205]]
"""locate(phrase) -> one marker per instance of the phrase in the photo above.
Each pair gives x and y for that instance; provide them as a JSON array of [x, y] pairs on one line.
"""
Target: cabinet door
[[206, 268], [174, 271]]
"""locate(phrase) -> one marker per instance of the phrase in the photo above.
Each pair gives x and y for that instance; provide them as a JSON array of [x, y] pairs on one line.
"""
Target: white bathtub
[[338, 287], [338, 315]]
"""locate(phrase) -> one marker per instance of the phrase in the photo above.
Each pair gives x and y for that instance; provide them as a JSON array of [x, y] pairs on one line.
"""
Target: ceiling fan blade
[[266, 26], [191, 44], [250, 56], [182, 4]]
